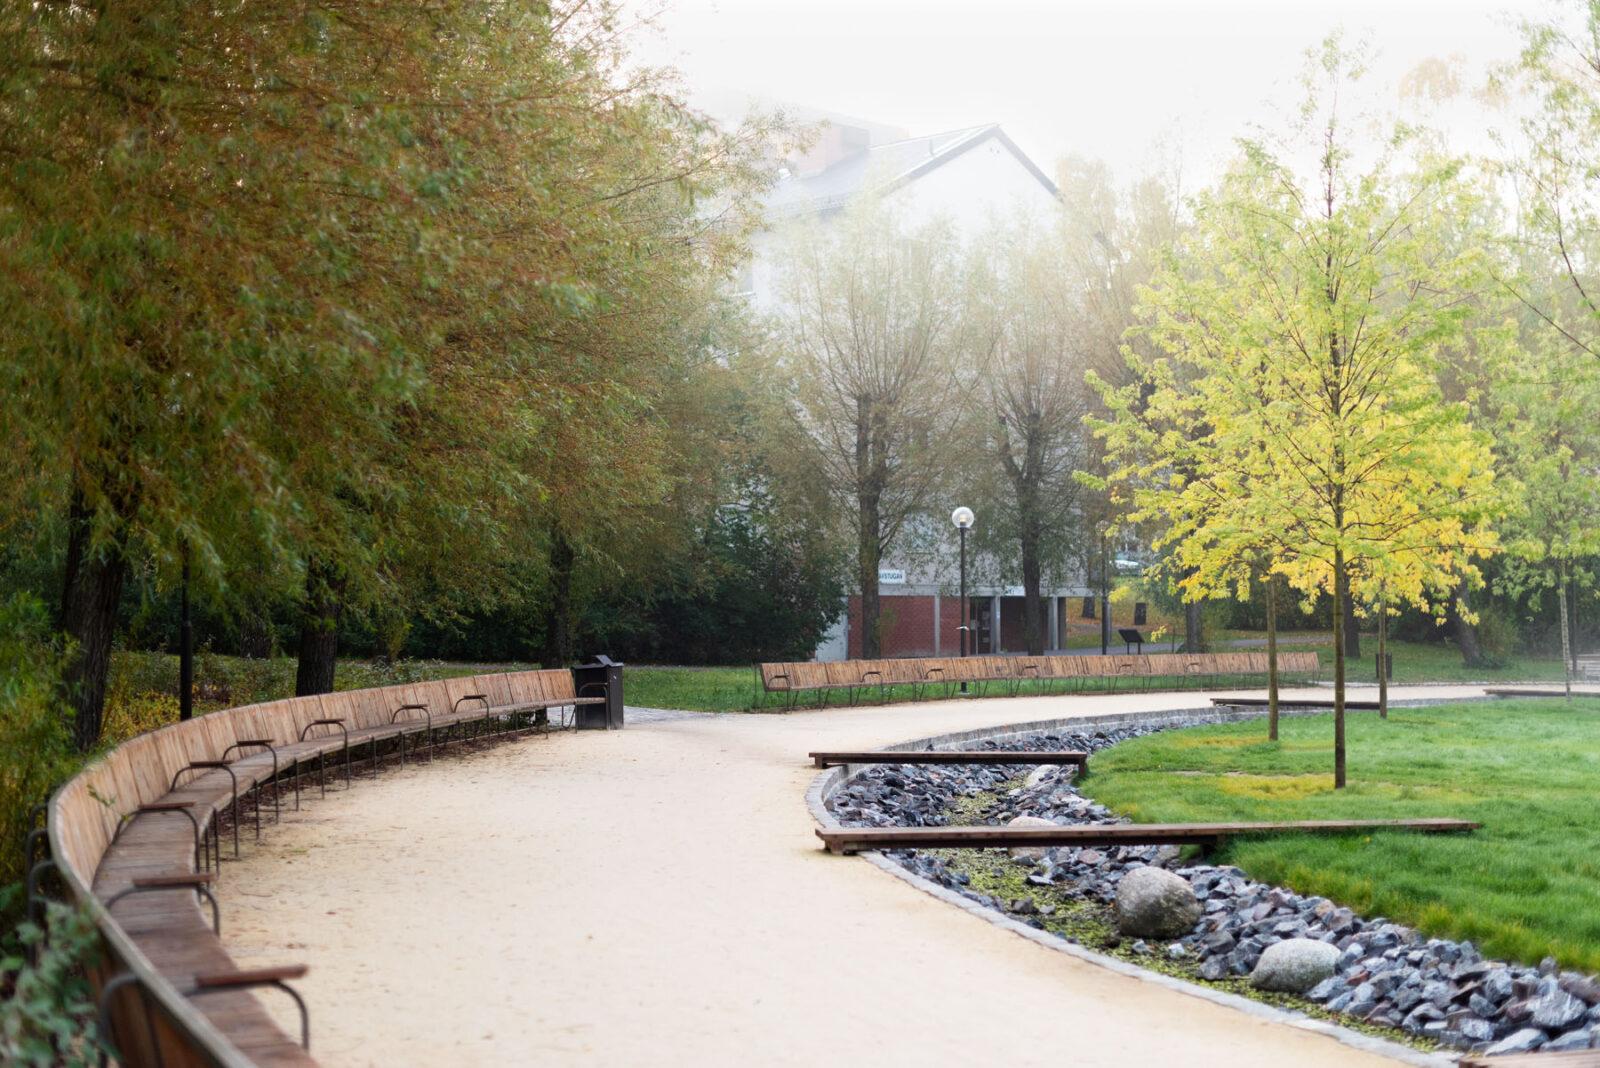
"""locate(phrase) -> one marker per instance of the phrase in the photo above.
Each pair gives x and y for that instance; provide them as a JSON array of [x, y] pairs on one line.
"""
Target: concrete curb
[[825, 783]]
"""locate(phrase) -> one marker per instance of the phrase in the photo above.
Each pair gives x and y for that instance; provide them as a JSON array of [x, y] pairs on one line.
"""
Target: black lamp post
[[185, 645], [962, 517], [1105, 598]]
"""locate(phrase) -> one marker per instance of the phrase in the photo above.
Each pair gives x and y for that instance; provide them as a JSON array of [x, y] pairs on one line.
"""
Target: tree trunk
[[1466, 634], [91, 593], [1383, 656], [1341, 598], [1194, 639], [1352, 626], [1566, 632], [869, 557], [1272, 657], [319, 631], [255, 635], [558, 649], [1571, 615], [871, 475], [1033, 620]]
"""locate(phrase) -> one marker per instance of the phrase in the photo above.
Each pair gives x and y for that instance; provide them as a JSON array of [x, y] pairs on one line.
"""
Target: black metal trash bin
[[589, 678]]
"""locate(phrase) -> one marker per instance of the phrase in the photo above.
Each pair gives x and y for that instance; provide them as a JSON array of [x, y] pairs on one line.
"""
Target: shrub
[[1497, 635], [36, 753], [47, 1010]]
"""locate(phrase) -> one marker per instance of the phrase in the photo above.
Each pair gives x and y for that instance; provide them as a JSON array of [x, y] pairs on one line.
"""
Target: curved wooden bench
[[135, 839], [792, 679]]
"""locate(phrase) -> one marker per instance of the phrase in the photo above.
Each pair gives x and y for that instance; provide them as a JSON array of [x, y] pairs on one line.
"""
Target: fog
[[1129, 82]]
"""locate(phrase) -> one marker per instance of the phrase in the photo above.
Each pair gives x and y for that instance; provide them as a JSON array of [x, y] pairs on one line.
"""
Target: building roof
[[882, 168]]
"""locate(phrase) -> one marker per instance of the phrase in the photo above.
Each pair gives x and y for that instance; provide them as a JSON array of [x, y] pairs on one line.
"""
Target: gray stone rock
[[1328, 988], [1558, 1011], [1497, 985], [1294, 965], [1524, 1041], [1572, 1040], [1154, 903], [1030, 852], [1039, 775], [1363, 999], [1475, 1029]]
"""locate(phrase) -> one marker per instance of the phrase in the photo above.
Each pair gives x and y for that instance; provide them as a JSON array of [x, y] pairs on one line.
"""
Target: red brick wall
[[907, 625], [1011, 625], [949, 622]]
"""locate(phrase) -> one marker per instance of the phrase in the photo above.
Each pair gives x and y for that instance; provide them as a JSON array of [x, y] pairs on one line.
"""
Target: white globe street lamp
[[963, 518]]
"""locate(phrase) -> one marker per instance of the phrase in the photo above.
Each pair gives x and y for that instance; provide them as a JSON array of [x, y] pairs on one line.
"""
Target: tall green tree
[[870, 334], [1545, 400], [1028, 324], [333, 297], [1302, 335]]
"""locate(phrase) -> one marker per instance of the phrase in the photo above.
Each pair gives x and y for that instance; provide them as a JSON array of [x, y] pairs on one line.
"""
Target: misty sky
[[1094, 77]]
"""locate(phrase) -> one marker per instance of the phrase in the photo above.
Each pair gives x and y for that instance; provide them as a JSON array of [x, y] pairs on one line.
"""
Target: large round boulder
[[1294, 965], [1031, 852], [1154, 903]]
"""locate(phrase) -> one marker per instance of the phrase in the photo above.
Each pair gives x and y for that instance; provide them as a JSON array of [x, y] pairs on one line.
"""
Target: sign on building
[[891, 576]]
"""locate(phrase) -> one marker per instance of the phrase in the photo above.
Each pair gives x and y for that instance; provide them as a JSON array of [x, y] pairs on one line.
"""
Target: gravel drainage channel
[[1394, 992]]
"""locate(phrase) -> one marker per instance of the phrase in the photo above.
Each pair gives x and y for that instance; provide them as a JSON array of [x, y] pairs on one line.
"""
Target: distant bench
[[794, 679], [1293, 702], [1578, 1058], [1207, 835], [950, 756]]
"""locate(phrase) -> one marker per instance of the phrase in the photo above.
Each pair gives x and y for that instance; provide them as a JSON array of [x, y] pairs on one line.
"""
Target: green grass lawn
[[1525, 886], [226, 680], [698, 689]]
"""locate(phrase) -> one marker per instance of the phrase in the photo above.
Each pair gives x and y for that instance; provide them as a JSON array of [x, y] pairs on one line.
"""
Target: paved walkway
[[656, 896]]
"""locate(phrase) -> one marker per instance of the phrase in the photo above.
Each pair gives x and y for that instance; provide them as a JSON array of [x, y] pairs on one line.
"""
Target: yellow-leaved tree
[[1292, 421]]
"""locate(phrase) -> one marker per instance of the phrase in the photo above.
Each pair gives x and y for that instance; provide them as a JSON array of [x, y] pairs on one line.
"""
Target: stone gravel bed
[[1385, 974]]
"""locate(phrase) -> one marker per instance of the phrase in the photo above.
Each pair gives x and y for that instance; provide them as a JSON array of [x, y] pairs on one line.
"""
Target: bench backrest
[[780, 677], [141, 769]]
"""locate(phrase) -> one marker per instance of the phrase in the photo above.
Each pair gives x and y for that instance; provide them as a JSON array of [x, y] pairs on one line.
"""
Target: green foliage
[[47, 1010], [35, 749], [1525, 886], [751, 589], [1497, 636], [374, 333]]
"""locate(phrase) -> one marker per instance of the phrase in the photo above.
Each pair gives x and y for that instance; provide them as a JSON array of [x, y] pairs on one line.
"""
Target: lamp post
[[1105, 597], [185, 645], [962, 517]]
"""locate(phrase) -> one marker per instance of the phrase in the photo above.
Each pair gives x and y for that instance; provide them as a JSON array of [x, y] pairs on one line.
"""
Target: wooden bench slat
[[948, 756], [853, 839], [1293, 702], [172, 933], [797, 677]]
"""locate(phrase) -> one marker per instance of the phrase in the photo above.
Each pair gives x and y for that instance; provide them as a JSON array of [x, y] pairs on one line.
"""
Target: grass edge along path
[[1525, 886]]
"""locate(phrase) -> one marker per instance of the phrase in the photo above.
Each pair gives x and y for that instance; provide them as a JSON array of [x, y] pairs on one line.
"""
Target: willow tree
[[1545, 402], [299, 290], [1029, 326], [206, 282], [871, 323], [1549, 157], [1307, 326]]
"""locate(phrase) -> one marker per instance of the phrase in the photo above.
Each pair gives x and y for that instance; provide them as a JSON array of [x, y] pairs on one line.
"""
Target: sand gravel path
[[655, 896]]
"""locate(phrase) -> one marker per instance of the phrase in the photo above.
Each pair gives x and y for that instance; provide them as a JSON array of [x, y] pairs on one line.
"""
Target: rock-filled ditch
[[1367, 973]]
